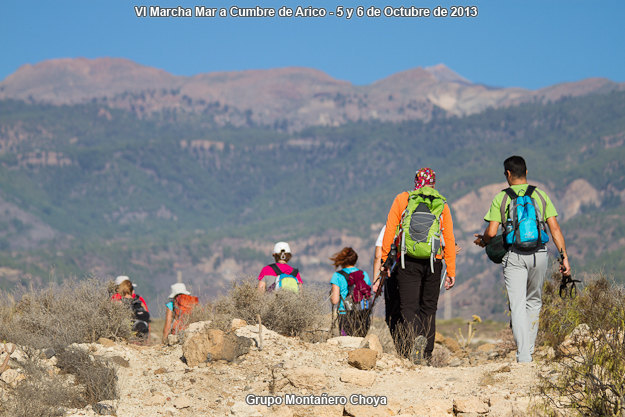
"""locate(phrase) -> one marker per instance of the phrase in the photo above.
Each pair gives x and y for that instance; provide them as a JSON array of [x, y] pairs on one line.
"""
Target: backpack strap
[[530, 190], [346, 276], [294, 273], [277, 270], [509, 193], [342, 272]]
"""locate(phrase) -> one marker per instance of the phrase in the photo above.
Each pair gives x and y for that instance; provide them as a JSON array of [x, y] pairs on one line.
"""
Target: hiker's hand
[[565, 267], [480, 240], [458, 249], [449, 282], [384, 271]]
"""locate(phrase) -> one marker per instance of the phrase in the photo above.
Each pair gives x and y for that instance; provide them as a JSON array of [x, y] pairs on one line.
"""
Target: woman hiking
[[351, 292]]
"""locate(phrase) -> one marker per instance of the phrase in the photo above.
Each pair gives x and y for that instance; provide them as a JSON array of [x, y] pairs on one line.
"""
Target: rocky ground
[[154, 380]]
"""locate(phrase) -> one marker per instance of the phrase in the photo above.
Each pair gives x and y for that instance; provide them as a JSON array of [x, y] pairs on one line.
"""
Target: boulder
[[358, 377], [372, 341], [213, 345], [362, 358], [307, 378]]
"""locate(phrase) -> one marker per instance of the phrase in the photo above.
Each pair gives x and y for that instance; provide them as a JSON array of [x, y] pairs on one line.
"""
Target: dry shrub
[[73, 312], [40, 394], [97, 379], [285, 312], [588, 378]]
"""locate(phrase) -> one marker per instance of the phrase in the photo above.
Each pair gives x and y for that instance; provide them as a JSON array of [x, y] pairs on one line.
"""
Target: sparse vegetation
[[285, 312], [56, 317], [52, 320], [588, 336]]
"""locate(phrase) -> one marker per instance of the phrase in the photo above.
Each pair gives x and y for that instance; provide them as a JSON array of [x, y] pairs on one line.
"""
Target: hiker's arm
[[449, 250], [392, 221], [335, 294], [558, 240], [261, 286], [169, 316], [489, 233], [377, 263]]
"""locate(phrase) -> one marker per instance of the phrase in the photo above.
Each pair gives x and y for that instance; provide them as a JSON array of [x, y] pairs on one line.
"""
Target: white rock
[[346, 342], [12, 377]]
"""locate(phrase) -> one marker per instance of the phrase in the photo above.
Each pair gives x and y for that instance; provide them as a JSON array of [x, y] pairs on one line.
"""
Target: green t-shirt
[[494, 213]]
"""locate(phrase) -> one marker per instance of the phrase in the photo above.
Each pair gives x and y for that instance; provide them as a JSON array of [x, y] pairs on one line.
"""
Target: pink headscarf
[[424, 176]]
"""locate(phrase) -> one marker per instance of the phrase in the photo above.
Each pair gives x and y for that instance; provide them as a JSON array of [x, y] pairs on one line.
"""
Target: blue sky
[[528, 44]]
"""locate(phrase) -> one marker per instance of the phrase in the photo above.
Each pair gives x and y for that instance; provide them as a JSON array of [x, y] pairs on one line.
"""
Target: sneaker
[[418, 349]]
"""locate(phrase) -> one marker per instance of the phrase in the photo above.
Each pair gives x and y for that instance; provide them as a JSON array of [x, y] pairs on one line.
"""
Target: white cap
[[121, 279], [281, 246], [178, 288]]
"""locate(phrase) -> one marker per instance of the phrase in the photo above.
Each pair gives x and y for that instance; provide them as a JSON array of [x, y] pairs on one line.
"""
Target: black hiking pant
[[411, 297]]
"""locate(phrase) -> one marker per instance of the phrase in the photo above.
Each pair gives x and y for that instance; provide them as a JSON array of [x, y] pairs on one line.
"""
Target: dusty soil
[[157, 382]]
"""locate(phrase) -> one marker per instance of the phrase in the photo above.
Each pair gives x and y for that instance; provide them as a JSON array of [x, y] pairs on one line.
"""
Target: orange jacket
[[394, 218]]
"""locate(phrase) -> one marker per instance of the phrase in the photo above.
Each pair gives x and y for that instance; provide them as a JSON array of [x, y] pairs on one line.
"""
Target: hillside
[[92, 188]]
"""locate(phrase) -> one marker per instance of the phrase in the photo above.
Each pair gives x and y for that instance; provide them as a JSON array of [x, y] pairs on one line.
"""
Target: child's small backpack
[[283, 280], [358, 291], [524, 229], [183, 304]]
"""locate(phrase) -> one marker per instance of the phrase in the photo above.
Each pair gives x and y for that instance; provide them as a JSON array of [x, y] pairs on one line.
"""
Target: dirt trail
[[154, 381]]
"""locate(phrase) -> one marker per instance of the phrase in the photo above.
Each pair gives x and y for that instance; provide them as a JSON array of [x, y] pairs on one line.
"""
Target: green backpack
[[420, 227]]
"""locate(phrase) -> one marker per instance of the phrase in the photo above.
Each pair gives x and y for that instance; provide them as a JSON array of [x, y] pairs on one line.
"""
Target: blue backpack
[[524, 229]]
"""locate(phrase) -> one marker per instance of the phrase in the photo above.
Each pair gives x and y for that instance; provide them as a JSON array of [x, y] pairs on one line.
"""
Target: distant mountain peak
[[443, 73]]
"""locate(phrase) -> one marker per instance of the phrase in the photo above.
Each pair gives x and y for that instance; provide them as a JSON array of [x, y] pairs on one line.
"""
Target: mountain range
[[284, 98], [110, 167]]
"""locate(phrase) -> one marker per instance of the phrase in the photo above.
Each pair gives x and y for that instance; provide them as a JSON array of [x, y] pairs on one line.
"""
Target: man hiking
[[525, 237], [420, 223]]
